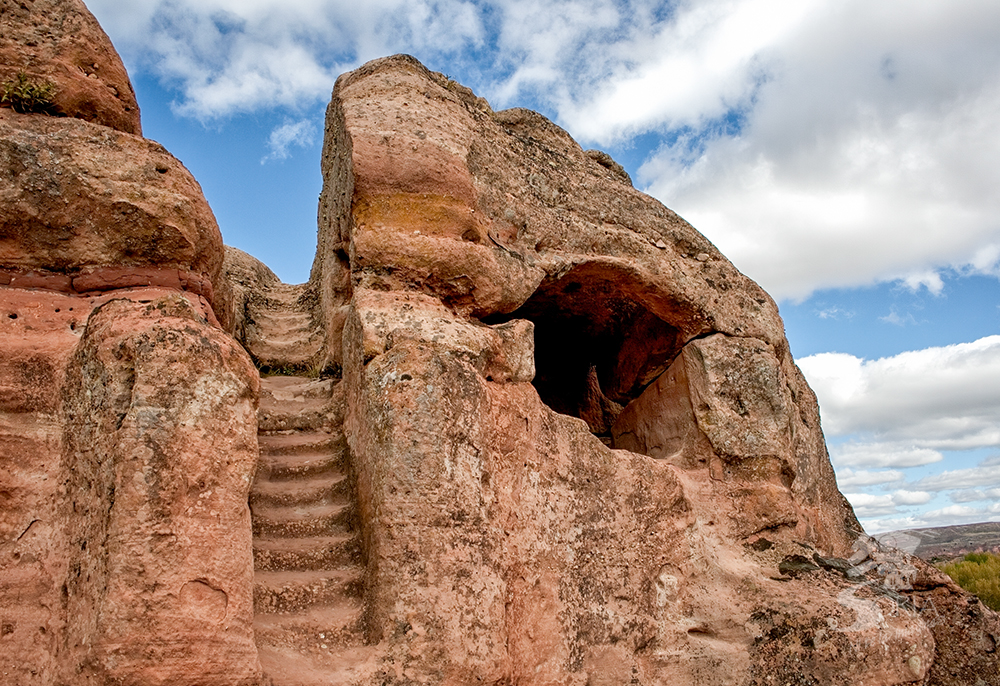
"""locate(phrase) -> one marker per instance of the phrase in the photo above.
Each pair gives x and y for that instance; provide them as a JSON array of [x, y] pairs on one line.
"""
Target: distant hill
[[945, 542]]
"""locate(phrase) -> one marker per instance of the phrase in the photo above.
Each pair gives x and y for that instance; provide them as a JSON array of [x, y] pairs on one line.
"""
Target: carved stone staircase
[[282, 331], [308, 565]]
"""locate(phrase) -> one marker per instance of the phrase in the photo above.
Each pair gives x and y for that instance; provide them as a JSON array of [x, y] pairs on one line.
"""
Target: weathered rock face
[[583, 452], [127, 416], [161, 445], [59, 41], [52, 555], [564, 441]]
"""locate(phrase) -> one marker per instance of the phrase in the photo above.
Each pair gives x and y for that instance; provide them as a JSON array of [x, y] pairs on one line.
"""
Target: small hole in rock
[[12, 315]]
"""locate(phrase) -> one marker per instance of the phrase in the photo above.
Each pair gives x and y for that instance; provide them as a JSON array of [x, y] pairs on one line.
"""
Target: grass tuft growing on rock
[[27, 95], [979, 574]]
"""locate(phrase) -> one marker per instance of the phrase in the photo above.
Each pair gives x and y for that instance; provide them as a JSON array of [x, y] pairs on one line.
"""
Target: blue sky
[[843, 153]]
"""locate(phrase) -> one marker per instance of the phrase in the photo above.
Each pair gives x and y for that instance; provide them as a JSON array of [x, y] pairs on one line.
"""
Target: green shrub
[[26, 95], [979, 574]]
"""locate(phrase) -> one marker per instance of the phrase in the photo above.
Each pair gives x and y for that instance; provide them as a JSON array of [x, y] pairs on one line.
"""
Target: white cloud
[[697, 68], [300, 134], [227, 56], [885, 454], [983, 476], [835, 313], [868, 152], [867, 505], [848, 478], [972, 495], [912, 497], [943, 398]]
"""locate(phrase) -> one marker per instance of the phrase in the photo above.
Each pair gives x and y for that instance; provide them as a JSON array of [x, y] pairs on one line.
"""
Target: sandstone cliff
[[541, 431]]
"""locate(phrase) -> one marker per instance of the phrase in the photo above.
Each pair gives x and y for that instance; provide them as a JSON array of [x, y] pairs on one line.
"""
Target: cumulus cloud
[[227, 56], [942, 398], [984, 475], [866, 150], [972, 495], [848, 478], [882, 454], [907, 411], [867, 505], [298, 134]]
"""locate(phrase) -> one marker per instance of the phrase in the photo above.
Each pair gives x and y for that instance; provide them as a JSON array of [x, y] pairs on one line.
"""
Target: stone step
[[294, 351], [284, 334], [307, 464], [311, 552], [298, 522], [292, 402], [309, 416], [322, 626], [296, 442], [327, 488], [295, 387], [315, 666], [284, 296], [294, 591]]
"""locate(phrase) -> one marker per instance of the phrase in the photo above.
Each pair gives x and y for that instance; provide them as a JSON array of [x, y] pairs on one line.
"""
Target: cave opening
[[597, 345]]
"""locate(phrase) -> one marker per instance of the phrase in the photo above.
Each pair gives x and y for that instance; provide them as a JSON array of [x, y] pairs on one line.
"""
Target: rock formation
[[127, 415], [528, 427]]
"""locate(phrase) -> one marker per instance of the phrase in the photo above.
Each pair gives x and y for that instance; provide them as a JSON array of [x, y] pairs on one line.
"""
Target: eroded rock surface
[[543, 432], [161, 446], [98, 209]]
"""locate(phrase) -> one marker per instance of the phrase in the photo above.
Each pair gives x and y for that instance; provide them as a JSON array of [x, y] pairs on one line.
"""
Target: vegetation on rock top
[[27, 95]]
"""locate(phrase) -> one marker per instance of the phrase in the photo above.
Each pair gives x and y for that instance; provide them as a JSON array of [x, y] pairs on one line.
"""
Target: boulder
[[61, 43], [40, 331], [89, 209]]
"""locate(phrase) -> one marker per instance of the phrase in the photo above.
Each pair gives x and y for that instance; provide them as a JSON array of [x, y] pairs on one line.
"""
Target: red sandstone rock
[[160, 415], [77, 195], [39, 332], [580, 449], [107, 209], [59, 41]]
